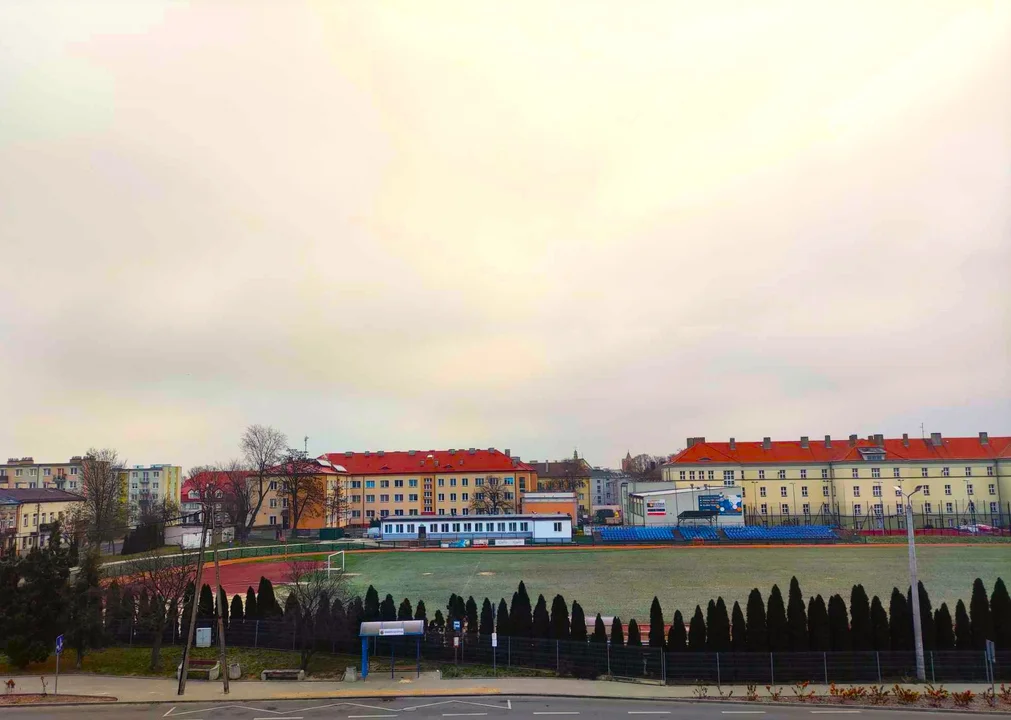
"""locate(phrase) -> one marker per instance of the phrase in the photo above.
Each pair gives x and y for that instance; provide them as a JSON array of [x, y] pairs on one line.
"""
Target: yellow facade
[[26, 523], [952, 490]]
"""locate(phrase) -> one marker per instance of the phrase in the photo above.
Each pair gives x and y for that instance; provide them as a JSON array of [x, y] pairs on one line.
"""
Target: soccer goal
[[333, 564]]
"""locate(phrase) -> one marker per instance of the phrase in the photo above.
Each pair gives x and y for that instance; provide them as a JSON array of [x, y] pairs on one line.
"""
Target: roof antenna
[[923, 435], [306, 445]]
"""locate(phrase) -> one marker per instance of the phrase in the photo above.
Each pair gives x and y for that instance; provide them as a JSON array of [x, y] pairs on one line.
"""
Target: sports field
[[623, 582]]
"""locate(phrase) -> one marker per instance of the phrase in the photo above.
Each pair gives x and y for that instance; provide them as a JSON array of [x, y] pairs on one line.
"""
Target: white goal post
[[331, 564]]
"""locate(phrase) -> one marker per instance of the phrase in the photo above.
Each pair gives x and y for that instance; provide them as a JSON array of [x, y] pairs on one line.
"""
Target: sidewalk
[[159, 690]]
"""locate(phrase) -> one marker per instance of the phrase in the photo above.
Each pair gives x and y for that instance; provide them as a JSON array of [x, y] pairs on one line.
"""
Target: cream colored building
[[852, 481], [26, 474], [27, 515]]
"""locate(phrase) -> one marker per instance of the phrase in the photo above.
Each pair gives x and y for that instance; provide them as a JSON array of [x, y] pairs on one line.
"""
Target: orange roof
[[790, 451], [405, 462]]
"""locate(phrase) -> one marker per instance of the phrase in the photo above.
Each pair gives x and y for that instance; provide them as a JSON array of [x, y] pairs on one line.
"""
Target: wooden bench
[[211, 667], [282, 675]]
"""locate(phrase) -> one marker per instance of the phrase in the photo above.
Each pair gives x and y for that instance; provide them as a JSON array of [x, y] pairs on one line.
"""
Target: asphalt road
[[485, 707]]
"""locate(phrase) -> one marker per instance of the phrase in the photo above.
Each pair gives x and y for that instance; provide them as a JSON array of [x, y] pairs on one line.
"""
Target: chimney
[[689, 442], [984, 439], [853, 440], [879, 440], [348, 453], [507, 453], [472, 451], [368, 453], [905, 439], [733, 445], [805, 442], [767, 443], [381, 453], [491, 450], [935, 439], [412, 452], [828, 442], [452, 451]]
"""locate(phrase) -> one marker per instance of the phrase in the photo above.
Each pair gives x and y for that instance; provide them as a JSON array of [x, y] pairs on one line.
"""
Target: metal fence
[[592, 660], [961, 519]]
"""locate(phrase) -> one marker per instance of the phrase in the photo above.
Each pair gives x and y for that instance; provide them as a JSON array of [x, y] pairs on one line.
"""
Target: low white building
[[479, 529], [722, 505]]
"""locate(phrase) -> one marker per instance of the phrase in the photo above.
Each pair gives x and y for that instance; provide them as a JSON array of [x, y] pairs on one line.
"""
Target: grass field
[[623, 582]]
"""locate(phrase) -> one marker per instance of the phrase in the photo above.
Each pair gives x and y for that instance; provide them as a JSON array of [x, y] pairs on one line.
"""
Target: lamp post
[[914, 590]]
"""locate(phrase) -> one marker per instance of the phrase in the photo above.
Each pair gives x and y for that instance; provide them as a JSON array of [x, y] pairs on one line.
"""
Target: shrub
[[904, 696], [775, 695], [752, 693], [1005, 694], [801, 691], [935, 696], [963, 699], [878, 695]]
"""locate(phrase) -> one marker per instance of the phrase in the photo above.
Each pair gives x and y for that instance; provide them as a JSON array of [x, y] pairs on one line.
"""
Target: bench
[[211, 667], [282, 675]]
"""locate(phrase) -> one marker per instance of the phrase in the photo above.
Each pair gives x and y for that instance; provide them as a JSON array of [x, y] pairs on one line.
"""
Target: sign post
[[59, 651], [494, 653], [991, 657]]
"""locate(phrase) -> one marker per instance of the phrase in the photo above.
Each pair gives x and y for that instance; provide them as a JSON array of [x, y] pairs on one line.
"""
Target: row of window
[[876, 490], [456, 527], [877, 509], [34, 472], [36, 518], [730, 476]]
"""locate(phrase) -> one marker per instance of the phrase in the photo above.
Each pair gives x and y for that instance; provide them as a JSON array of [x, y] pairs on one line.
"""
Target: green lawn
[[623, 582]]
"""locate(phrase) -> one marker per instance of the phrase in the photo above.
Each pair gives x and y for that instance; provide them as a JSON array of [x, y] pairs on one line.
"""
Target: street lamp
[[914, 591]]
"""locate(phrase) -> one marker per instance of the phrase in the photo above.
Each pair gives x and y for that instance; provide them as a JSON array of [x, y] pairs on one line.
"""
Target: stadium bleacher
[[781, 532], [698, 532], [637, 534]]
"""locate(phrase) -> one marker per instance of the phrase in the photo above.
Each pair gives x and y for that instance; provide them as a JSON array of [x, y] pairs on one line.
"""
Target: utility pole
[[221, 611], [914, 590], [193, 607]]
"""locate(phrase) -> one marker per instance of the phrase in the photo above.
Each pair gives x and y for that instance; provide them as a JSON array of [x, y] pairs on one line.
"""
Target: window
[[25, 523], [452, 497], [682, 474], [764, 509], [452, 511], [17, 472], [875, 472], [398, 512], [384, 498], [785, 508], [370, 498], [509, 481], [384, 513], [478, 482], [923, 472], [400, 527], [857, 509], [384, 483], [413, 483], [803, 473], [452, 482], [824, 490], [946, 472], [370, 513], [284, 502], [761, 474], [803, 490], [272, 485], [464, 482], [410, 527], [445, 527], [926, 490], [824, 473], [927, 508], [370, 483], [948, 507], [398, 483], [761, 491], [399, 497], [968, 488], [512, 526], [856, 491], [989, 470], [781, 474], [782, 491], [73, 471], [156, 473], [48, 471], [947, 489], [992, 489], [525, 527], [876, 491], [878, 510], [442, 482], [134, 486], [356, 498], [993, 507], [899, 509], [898, 492], [895, 472], [501, 527], [968, 472], [442, 497], [711, 473], [824, 507], [806, 508], [413, 497], [855, 472], [273, 502], [557, 526], [465, 497], [272, 520], [728, 475]]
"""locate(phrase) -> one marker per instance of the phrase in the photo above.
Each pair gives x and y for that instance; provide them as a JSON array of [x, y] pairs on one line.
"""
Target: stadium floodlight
[[914, 590]]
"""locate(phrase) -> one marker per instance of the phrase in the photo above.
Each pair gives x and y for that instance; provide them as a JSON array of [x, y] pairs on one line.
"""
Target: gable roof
[[17, 496], [558, 469], [406, 462], [792, 451]]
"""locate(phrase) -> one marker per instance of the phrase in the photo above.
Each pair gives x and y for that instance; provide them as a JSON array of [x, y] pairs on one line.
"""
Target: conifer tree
[[697, 631], [656, 625], [757, 631], [818, 633], [979, 616], [267, 605], [677, 638], [405, 611], [578, 630], [634, 637], [520, 613], [559, 620], [900, 622], [796, 618], [599, 631], [205, 609], [880, 637], [420, 612], [739, 630], [541, 619], [1000, 613], [237, 612], [250, 609], [963, 628], [838, 624], [472, 618], [861, 635], [944, 630], [775, 622], [617, 633], [718, 628], [502, 619], [487, 619]]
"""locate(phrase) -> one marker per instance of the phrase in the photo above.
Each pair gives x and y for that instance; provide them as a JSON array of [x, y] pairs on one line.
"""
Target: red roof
[[406, 462], [202, 479], [790, 451]]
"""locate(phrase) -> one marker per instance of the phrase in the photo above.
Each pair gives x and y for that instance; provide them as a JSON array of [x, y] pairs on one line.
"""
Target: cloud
[[535, 225]]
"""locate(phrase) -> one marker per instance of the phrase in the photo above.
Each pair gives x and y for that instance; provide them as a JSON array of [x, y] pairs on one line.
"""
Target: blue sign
[[59, 644], [456, 624]]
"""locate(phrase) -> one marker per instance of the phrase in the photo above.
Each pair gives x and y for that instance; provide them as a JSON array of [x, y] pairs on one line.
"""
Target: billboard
[[657, 507], [722, 504], [502, 542]]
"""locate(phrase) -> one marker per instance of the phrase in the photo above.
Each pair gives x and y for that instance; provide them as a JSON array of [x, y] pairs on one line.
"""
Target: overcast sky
[[526, 224]]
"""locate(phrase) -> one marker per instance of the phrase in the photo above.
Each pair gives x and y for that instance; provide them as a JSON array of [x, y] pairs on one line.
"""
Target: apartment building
[[148, 486], [854, 480], [27, 515], [26, 474], [570, 475], [427, 482]]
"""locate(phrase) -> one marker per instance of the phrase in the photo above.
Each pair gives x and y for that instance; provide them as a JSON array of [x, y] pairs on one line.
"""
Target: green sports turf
[[623, 582]]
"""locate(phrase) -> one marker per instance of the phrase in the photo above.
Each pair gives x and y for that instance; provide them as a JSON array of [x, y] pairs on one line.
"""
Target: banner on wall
[[722, 504], [656, 507]]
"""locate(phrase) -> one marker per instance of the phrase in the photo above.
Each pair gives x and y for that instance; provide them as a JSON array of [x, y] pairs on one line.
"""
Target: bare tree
[[644, 467], [311, 587], [337, 509], [237, 497], [165, 578], [102, 515], [263, 447], [493, 498], [299, 482]]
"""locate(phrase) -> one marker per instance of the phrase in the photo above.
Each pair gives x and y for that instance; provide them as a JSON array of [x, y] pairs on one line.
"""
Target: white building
[[721, 505], [480, 529]]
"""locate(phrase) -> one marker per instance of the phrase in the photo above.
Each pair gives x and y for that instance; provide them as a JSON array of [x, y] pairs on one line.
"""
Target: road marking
[[835, 712], [744, 712], [371, 716], [462, 714], [557, 712], [169, 711], [461, 702], [649, 712], [293, 717]]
